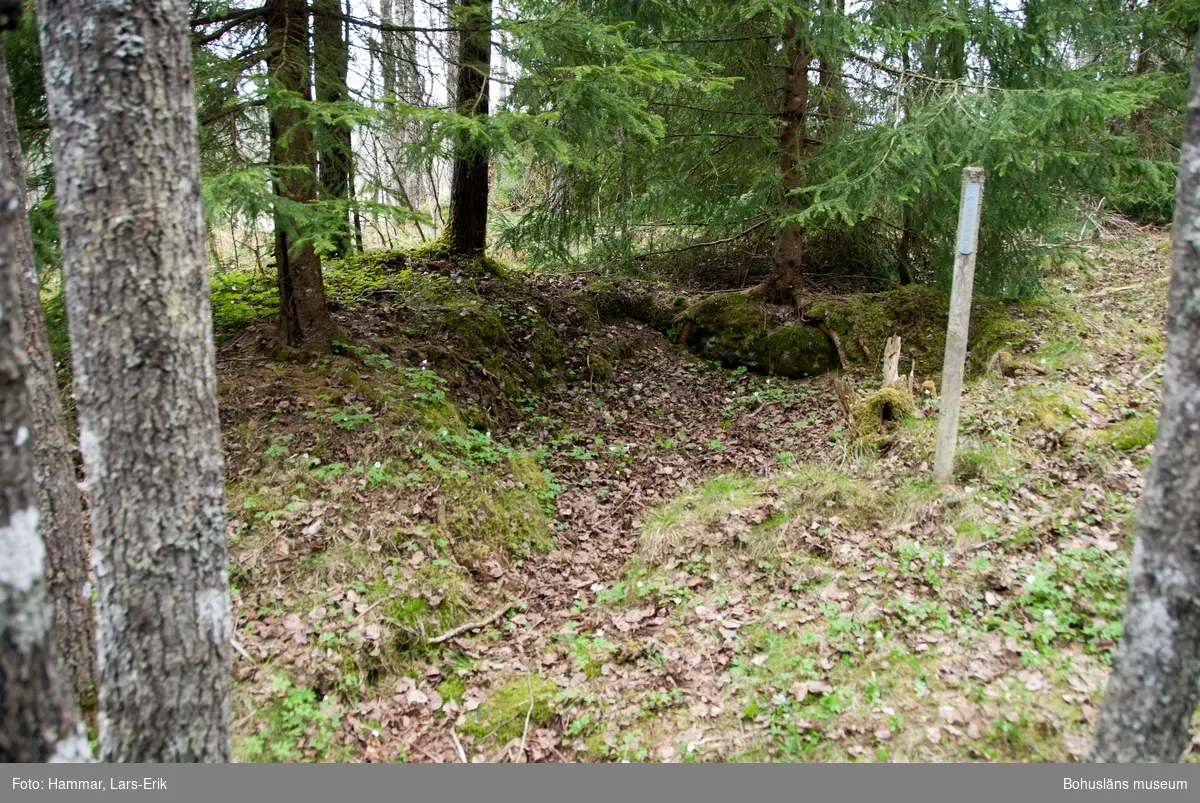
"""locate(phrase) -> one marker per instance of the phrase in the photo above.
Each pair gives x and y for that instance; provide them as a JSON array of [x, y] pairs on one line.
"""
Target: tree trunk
[[304, 320], [466, 230], [53, 465], [781, 286], [1152, 693], [387, 49], [38, 720], [331, 52], [122, 116], [411, 90], [408, 78]]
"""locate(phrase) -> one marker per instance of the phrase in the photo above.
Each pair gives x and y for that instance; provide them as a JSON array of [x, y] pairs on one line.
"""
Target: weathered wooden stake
[[960, 320]]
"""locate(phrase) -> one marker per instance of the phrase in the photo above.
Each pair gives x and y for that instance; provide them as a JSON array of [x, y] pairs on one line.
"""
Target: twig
[[366, 610], [1138, 383], [428, 755], [528, 715], [240, 650], [458, 631], [462, 754], [694, 246], [1108, 291], [615, 510]]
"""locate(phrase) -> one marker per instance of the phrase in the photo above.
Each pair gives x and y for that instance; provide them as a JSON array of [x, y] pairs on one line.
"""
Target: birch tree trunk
[[38, 720], [1152, 693], [123, 127], [59, 503]]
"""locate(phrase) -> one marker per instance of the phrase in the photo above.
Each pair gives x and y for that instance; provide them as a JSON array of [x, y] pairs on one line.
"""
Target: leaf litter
[[725, 576]]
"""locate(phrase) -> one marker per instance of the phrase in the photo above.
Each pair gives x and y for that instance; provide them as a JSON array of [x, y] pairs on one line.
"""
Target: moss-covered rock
[[736, 329], [610, 298], [919, 314]]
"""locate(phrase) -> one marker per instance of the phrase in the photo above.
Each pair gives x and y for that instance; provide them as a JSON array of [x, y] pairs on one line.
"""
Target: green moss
[[601, 369], [736, 329], [501, 717], [734, 321], [1060, 354], [612, 298], [881, 410], [919, 314], [413, 618], [525, 470], [432, 249], [489, 518], [977, 461], [1049, 405], [452, 689], [479, 328], [238, 297], [693, 516], [545, 351], [796, 351], [1132, 433]]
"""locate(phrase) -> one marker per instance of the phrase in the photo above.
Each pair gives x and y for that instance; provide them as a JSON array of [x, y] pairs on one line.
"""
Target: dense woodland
[[501, 381]]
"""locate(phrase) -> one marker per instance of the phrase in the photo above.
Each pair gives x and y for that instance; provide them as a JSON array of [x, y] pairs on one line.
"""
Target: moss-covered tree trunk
[[303, 313], [788, 268], [331, 53], [466, 229], [38, 718], [59, 502], [1152, 693]]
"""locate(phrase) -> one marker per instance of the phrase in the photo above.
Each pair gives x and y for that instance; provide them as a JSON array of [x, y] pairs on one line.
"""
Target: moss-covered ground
[[511, 518]]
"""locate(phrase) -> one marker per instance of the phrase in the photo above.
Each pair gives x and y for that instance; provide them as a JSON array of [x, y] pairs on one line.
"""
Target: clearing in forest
[[508, 522]]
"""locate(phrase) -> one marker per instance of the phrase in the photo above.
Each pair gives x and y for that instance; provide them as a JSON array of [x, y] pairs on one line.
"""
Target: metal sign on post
[[953, 368], [968, 218]]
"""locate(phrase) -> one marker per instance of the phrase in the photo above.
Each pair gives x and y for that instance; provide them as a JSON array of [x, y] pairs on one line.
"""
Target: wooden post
[[960, 320]]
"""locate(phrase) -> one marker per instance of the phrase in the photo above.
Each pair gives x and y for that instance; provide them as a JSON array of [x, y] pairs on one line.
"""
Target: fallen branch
[[462, 754], [1138, 383], [528, 715], [458, 631], [366, 610], [240, 650], [1108, 291], [694, 246]]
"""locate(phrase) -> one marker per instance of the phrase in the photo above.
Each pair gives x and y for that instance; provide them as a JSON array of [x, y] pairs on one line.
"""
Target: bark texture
[[331, 52], [303, 314], [788, 271], [59, 503], [1152, 693], [123, 126], [38, 720], [466, 229]]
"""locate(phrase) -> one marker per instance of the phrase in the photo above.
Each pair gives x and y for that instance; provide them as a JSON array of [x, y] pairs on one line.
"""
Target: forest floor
[[668, 560]]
